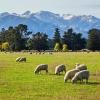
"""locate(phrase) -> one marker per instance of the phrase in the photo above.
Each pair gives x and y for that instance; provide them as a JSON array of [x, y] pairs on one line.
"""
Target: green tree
[[57, 37], [40, 41], [16, 37], [68, 38], [94, 39], [57, 47], [5, 46], [30, 44], [65, 47], [75, 41], [3, 35]]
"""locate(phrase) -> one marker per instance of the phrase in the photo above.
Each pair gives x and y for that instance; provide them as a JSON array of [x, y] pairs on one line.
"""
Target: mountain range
[[45, 21]]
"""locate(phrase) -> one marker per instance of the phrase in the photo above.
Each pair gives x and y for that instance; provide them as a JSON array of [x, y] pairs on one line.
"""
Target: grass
[[18, 81]]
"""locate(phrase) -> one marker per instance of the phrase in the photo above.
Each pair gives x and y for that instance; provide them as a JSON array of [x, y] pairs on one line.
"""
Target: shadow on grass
[[93, 83], [89, 83], [55, 74]]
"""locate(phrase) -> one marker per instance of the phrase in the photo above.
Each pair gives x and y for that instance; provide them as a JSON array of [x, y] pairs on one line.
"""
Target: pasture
[[18, 81]]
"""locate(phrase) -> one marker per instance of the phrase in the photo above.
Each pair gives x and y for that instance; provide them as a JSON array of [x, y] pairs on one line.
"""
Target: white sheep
[[70, 74], [41, 67], [60, 68], [17, 59], [81, 67], [22, 59], [84, 74], [50, 53]]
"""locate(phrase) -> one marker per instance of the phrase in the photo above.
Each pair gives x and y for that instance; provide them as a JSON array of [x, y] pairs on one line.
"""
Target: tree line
[[20, 38]]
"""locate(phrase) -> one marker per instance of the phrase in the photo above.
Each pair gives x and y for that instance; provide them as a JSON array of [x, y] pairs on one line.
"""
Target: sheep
[[41, 67], [22, 59], [30, 53], [84, 74], [60, 68], [70, 74], [81, 67], [17, 59], [50, 53]]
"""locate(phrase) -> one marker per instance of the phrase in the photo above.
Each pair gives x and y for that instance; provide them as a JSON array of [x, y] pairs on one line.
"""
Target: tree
[[65, 47], [57, 47], [3, 35], [79, 42], [94, 39], [50, 44], [22, 36], [57, 37], [75, 41], [40, 41], [30, 44], [68, 38], [5, 46], [16, 37]]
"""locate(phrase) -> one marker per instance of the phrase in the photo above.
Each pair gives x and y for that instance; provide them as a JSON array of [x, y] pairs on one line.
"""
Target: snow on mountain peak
[[45, 21], [27, 13], [67, 16]]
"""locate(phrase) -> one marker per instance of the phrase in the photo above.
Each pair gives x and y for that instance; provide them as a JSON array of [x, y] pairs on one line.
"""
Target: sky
[[75, 7]]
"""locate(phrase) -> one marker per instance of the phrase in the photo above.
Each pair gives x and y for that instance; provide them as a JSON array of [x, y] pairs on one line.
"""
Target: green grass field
[[18, 81]]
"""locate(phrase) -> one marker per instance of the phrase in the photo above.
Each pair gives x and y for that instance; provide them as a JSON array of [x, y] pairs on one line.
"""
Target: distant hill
[[45, 21]]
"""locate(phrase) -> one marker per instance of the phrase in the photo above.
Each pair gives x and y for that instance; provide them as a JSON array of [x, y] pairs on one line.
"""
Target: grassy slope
[[18, 82]]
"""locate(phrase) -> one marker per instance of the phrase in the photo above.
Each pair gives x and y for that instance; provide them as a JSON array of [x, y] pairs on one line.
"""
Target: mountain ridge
[[45, 21]]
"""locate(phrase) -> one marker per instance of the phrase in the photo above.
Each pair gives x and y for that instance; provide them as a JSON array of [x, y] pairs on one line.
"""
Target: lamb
[[60, 68], [17, 59], [84, 74], [41, 67], [22, 59], [81, 67], [70, 74]]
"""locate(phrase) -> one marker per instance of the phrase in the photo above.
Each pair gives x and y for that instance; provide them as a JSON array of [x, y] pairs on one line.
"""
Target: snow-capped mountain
[[45, 21]]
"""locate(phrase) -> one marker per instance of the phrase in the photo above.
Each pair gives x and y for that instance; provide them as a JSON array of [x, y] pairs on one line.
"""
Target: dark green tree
[[75, 41], [57, 37], [40, 41], [94, 39], [68, 38], [15, 36], [3, 35]]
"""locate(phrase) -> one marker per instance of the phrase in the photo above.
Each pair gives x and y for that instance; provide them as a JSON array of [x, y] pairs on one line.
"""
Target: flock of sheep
[[79, 73]]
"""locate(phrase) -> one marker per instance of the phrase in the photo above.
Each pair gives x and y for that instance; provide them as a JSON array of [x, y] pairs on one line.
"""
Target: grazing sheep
[[81, 67], [70, 74], [30, 53], [50, 53], [17, 59], [22, 59], [41, 67], [84, 74], [60, 68], [43, 53]]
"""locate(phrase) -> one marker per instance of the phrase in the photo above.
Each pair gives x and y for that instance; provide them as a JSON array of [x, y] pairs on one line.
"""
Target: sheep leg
[[59, 73], [86, 81], [46, 71], [81, 81], [65, 70]]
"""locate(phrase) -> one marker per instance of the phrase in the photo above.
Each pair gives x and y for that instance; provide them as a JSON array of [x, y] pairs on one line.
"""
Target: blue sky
[[76, 7]]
